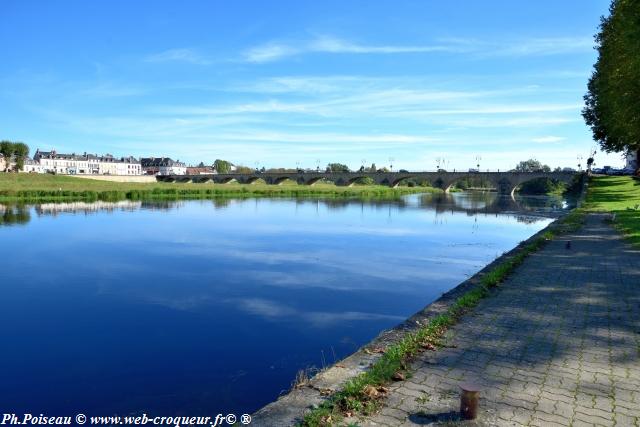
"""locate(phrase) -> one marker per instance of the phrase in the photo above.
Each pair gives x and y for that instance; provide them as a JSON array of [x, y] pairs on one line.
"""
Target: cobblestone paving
[[558, 344]]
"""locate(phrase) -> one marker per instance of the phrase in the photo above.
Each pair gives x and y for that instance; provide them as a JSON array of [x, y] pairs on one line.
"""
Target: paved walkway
[[558, 344]]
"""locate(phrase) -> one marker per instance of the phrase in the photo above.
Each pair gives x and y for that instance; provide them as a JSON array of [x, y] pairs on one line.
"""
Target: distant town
[[52, 162], [93, 164]]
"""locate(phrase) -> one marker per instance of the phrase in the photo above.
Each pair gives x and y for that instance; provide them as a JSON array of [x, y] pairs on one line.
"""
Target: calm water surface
[[202, 307]]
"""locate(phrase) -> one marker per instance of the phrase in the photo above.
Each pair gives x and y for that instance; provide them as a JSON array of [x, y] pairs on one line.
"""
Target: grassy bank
[[364, 393], [619, 195], [47, 188]]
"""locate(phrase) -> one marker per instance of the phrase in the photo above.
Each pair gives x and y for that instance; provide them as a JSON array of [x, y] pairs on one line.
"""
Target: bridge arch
[[395, 182], [251, 179], [450, 180], [313, 180], [280, 179], [224, 180], [564, 178], [202, 180]]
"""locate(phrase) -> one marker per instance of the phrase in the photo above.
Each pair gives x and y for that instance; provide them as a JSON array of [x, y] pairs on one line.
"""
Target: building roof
[[53, 154], [148, 162]]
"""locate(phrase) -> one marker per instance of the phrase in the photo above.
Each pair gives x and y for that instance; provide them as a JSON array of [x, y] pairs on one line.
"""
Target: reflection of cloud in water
[[386, 266], [272, 310]]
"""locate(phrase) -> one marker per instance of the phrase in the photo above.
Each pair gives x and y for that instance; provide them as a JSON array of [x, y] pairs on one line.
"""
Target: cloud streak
[[548, 139], [274, 51], [185, 55]]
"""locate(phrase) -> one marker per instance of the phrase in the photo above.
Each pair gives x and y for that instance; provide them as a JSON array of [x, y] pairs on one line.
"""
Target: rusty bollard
[[469, 401]]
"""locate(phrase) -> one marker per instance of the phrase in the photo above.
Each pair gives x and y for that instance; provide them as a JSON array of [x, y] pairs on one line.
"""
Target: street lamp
[[478, 158], [579, 157], [391, 159]]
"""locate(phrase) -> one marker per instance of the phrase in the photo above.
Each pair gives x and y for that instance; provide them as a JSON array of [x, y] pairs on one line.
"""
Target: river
[[201, 307]]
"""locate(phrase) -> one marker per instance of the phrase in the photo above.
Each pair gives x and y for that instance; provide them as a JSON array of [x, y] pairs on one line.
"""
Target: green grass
[[355, 397], [45, 187], [619, 195]]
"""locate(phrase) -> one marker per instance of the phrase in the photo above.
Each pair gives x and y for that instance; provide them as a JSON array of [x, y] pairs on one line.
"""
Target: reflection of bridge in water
[[526, 209], [504, 182], [492, 203]]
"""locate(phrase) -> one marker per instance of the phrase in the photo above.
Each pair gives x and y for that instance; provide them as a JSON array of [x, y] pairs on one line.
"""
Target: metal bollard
[[469, 401]]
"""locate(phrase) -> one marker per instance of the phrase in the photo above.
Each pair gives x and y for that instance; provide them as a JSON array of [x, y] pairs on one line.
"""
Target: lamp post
[[579, 157], [391, 159], [478, 158]]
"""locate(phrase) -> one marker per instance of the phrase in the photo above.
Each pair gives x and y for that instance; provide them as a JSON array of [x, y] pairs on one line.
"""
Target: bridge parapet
[[504, 182]]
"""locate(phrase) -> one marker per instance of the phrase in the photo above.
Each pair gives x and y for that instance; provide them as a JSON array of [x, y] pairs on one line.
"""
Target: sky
[[303, 83]]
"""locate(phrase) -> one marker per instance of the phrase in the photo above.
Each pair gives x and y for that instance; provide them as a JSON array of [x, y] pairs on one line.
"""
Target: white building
[[3, 163], [32, 166], [86, 164], [162, 166]]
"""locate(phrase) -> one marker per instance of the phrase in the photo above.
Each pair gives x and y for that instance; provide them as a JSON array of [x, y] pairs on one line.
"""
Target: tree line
[[16, 151], [612, 102]]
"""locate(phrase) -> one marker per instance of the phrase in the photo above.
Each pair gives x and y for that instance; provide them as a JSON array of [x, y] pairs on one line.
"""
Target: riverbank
[[556, 344], [49, 188], [571, 266], [357, 384]]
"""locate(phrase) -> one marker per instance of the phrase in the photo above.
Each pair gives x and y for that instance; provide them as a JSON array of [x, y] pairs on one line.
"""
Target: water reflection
[[526, 209], [179, 307], [14, 215]]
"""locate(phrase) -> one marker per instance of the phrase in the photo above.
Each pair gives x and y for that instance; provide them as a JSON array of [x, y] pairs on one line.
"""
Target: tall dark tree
[[6, 149], [532, 165], [337, 167], [222, 166], [21, 152], [612, 102]]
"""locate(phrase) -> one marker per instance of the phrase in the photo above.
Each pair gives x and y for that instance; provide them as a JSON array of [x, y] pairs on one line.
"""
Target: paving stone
[[556, 344]]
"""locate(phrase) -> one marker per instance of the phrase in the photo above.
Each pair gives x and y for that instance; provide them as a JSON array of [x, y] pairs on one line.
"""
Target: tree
[[337, 167], [222, 166], [21, 151], [532, 165], [243, 169], [612, 101], [6, 149]]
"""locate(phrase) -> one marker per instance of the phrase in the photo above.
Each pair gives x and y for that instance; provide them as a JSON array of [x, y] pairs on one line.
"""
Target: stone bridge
[[503, 182]]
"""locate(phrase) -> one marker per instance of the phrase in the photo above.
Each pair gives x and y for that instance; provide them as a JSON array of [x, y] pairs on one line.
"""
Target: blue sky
[[281, 83]]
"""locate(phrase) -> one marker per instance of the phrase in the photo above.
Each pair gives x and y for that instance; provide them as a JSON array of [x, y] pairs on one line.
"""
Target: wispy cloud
[[335, 45], [327, 44], [179, 55], [548, 139], [274, 51], [112, 90], [270, 52]]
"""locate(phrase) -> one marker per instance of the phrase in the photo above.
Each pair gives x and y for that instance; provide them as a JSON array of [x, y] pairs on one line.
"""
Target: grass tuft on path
[[619, 195]]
